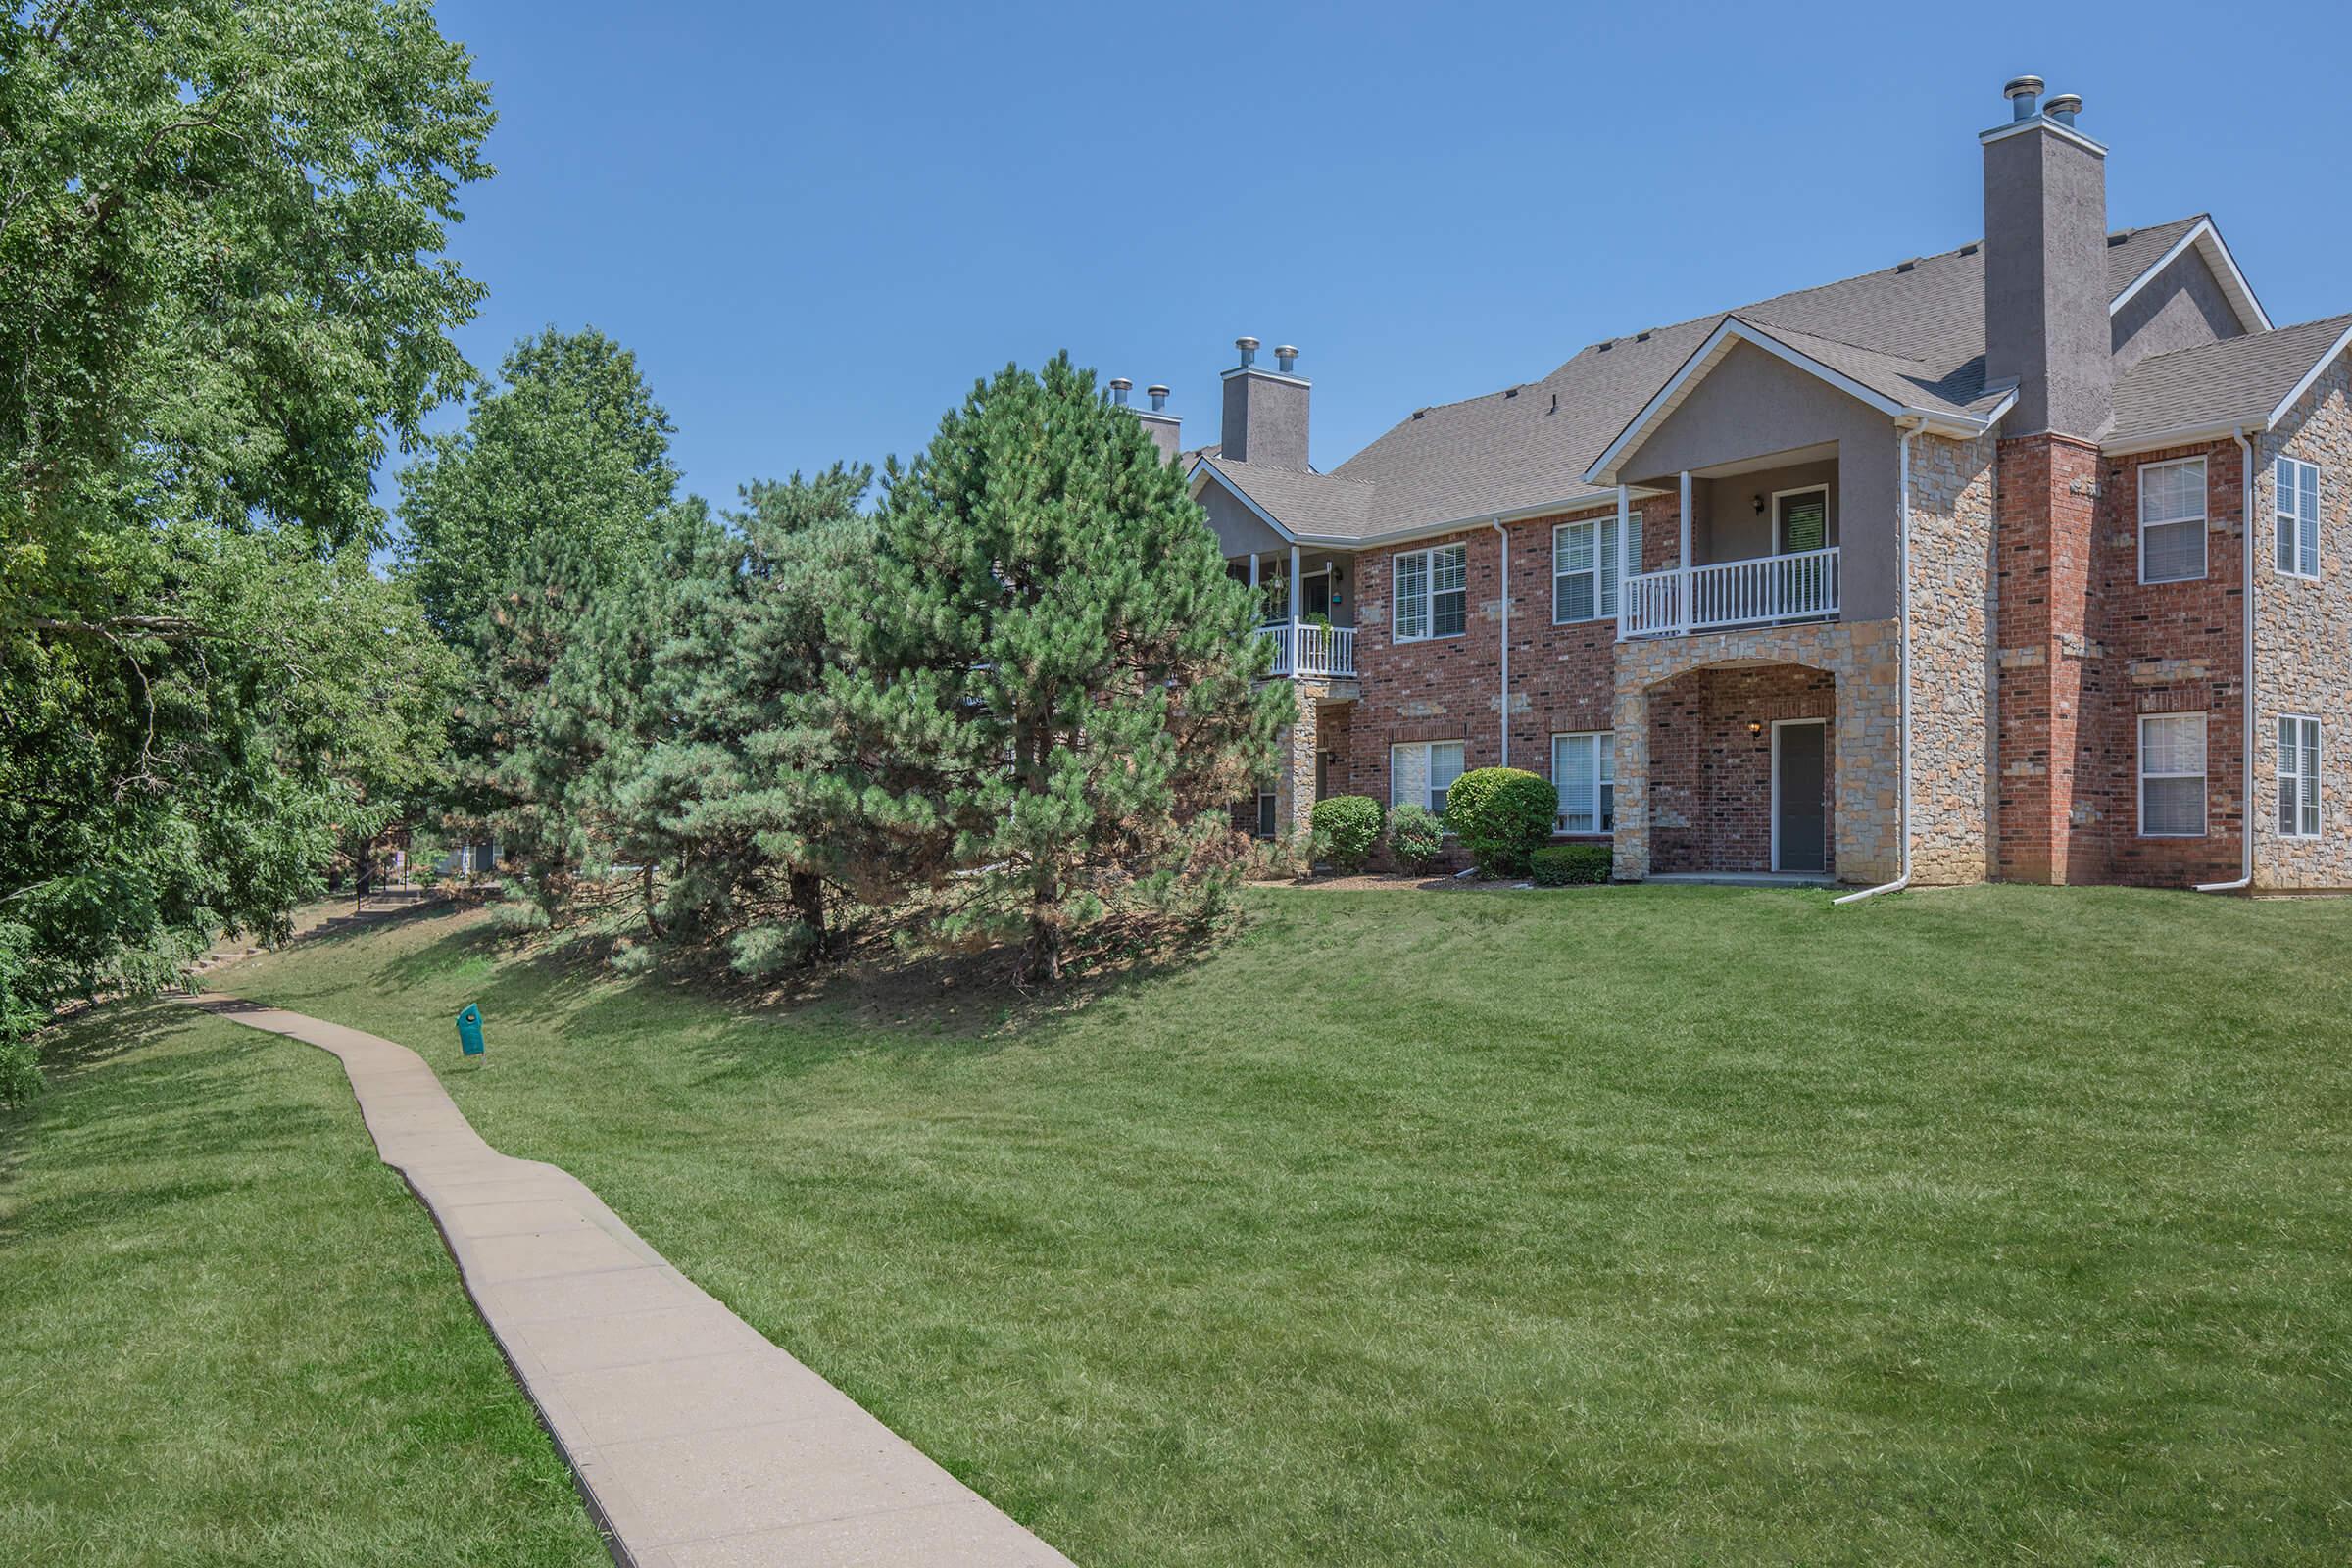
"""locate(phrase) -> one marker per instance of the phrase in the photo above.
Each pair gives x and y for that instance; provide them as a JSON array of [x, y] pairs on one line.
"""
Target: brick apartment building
[[1950, 572]]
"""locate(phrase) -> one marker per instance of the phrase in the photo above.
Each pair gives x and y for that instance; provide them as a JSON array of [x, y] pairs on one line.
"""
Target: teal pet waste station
[[469, 1030]]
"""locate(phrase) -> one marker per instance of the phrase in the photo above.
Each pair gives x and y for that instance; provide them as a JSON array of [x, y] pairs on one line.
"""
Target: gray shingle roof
[[1317, 505], [1915, 333], [2238, 381]]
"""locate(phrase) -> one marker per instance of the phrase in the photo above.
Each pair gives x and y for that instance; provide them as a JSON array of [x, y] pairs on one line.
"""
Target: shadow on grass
[[875, 997]]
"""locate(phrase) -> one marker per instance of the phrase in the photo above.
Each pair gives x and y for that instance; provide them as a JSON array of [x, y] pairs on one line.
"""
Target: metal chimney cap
[[1155, 391], [1119, 383], [1245, 344], [1288, 351], [2064, 108], [2020, 91]]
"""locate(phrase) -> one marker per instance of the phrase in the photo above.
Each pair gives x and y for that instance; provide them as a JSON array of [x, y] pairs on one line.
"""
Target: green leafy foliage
[[221, 296], [557, 489], [572, 447], [1416, 837], [1501, 815], [1055, 694], [1559, 865], [1346, 828]]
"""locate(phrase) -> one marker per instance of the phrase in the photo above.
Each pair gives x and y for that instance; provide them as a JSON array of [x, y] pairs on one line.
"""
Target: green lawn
[[1627, 1226], [228, 1335]]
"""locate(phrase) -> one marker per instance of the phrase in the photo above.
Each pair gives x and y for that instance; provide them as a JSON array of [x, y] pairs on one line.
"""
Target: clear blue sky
[[816, 225]]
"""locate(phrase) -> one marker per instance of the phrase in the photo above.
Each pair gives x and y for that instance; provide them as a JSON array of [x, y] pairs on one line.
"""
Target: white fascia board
[[2207, 241], [1702, 359], [1589, 502], [2184, 435], [2309, 379]]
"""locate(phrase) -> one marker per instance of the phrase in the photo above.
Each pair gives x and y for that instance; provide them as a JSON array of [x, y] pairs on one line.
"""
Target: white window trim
[[1604, 745], [2319, 799], [1429, 594], [2203, 519], [1772, 514], [1610, 557], [2279, 514], [2205, 777]]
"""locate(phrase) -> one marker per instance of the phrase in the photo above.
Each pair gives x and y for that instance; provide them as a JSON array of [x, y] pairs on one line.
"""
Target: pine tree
[[1058, 692], [702, 684]]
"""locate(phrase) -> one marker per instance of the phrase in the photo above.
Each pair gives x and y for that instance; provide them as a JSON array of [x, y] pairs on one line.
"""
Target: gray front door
[[1799, 836]]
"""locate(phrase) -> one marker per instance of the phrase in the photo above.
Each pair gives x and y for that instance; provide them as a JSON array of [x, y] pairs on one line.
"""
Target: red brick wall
[[2085, 648], [2042, 567], [1563, 678], [1709, 773], [2165, 648]]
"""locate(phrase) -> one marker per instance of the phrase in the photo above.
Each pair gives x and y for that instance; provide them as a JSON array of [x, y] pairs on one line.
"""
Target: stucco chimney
[[1265, 411], [1164, 428], [2045, 269]]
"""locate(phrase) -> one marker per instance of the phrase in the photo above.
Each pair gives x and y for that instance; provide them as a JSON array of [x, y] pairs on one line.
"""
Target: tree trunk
[[653, 921], [807, 890]]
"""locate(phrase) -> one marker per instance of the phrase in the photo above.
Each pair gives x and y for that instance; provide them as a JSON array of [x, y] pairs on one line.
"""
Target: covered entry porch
[[1770, 753]]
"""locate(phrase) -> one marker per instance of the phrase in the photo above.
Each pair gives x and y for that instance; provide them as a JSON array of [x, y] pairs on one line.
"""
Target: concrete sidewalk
[[697, 1442]]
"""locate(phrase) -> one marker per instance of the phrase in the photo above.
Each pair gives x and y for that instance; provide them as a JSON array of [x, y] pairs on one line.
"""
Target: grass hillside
[[1638, 1225]]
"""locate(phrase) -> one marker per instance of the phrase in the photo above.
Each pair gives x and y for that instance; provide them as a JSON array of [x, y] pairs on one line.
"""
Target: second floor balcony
[[1762, 591], [1310, 648]]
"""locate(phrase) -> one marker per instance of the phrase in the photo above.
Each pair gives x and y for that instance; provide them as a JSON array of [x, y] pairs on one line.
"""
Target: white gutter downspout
[[2245, 738], [1495, 522], [1903, 557]]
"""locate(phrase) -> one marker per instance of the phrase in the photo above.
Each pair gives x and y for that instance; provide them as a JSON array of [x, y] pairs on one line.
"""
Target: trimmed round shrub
[[1502, 815], [1416, 837], [1346, 828], [1560, 865]]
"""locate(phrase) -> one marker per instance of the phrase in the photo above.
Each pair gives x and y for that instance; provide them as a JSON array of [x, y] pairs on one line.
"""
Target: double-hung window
[[1269, 820], [2298, 777], [2172, 776], [1583, 770], [2298, 513], [1420, 772], [1587, 560], [1432, 592], [2172, 520]]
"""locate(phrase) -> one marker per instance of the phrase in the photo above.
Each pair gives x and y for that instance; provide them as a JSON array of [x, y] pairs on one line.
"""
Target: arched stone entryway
[[1698, 799]]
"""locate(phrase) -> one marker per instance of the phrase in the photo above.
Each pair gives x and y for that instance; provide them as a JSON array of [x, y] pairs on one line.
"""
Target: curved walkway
[[696, 1442]]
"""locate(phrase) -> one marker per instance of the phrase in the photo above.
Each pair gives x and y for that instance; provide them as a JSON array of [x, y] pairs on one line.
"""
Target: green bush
[[1416, 837], [1502, 815], [1346, 828], [1562, 865]]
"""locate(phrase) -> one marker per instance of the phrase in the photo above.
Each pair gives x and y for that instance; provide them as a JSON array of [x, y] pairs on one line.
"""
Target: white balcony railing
[[1734, 593], [1304, 648]]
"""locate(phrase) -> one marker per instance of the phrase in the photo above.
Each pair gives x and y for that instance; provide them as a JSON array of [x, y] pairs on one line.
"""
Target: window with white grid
[[2298, 508], [1420, 772], [2172, 776], [1587, 560], [1583, 770], [2172, 520], [2298, 776], [1432, 591]]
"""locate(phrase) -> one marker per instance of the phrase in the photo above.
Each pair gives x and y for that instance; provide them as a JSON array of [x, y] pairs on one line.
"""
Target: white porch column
[[1683, 594], [1629, 564], [1298, 588], [1252, 572]]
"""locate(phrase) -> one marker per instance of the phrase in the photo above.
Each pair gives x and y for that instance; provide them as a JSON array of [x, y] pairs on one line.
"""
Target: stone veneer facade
[[2303, 642]]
